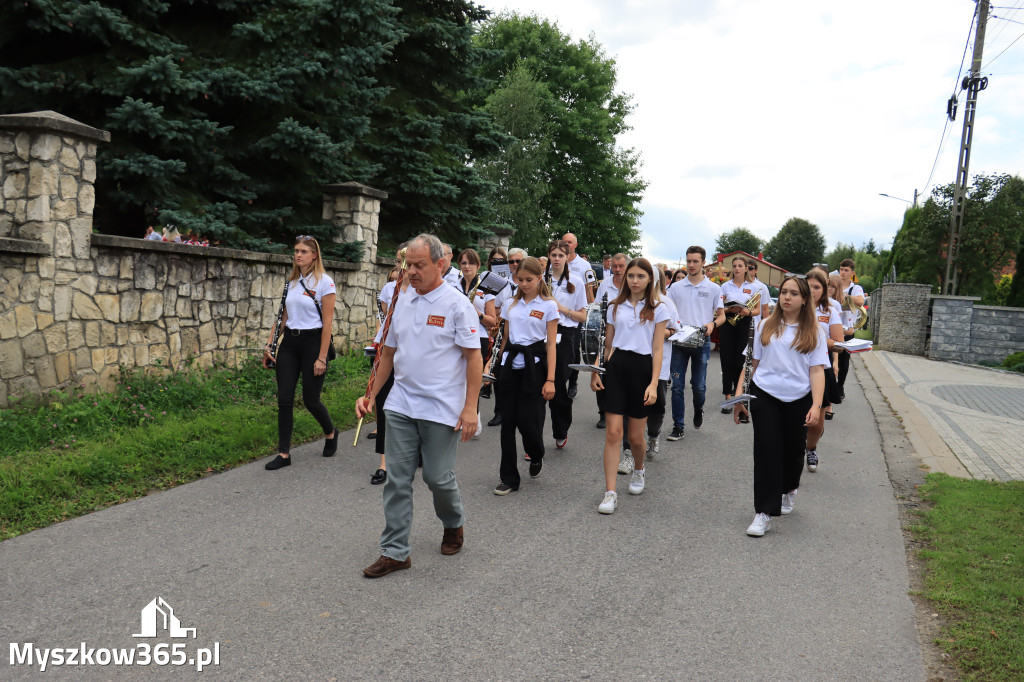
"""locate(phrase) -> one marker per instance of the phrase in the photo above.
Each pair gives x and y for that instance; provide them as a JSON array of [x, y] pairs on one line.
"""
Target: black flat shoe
[[331, 444], [572, 391], [828, 416], [278, 462], [495, 420], [379, 477], [372, 435], [600, 423]]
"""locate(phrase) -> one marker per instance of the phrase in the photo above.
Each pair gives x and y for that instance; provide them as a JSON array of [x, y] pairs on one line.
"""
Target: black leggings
[[732, 341], [382, 421], [561, 404], [844, 369], [779, 439], [297, 355]]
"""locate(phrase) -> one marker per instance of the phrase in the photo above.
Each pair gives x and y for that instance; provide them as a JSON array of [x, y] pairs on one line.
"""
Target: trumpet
[[752, 304]]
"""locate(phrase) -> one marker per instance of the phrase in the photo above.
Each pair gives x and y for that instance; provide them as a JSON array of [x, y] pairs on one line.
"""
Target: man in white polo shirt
[[434, 348], [578, 266], [699, 303], [450, 273]]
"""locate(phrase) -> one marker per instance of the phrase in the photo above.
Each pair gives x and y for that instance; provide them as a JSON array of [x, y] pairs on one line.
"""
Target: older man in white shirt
[[434, 348]]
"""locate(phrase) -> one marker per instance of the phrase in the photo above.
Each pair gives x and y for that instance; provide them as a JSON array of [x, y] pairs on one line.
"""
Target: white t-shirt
[[632, 333], [573, 301], [380, 328], [453, 275], [386, 293], [527, 324], [429, 332], [738, 294], [827, 318], [582, 267], [782, 371], [697, 303], [766, 299], [301, 309], [854, 289], [666, 352], [480, 304], [607, 286], [504, 296]]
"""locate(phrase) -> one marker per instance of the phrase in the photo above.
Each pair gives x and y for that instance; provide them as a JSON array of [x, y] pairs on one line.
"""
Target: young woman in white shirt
[[570, 294], [788, 380], [634, 336], [528, 358], [830, 321], [303, 348]]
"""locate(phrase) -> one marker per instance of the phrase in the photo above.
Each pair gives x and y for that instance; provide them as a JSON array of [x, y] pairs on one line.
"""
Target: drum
[[591, 340], [689, 337]]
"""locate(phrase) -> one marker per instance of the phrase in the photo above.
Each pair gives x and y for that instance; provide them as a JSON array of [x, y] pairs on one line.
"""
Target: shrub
[[1013, 360]]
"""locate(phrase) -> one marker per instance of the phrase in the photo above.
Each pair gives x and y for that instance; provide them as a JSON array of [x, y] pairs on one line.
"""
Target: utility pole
[[973, 83]]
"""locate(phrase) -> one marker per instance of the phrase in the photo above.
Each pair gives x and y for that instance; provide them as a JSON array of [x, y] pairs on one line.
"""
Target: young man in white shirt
[[578, 266], [611, 285], [451, 274], [434, 349], [855, 295], [698, 301]]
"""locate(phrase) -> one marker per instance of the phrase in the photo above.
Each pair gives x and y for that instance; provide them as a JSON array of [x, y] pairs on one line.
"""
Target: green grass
[[974, 556], [80, 452], [863, 334]]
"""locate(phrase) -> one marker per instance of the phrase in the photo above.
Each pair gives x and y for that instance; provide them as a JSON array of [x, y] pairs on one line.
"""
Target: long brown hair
[[532, 266], [650, 297], [837, 282], [318, 264], [563, 246], [807, 332], [820, 277]]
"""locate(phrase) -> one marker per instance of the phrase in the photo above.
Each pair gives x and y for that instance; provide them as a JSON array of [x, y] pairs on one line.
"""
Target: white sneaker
[[626, 462], [761, 525], [653, 447], [479, 426], [788, 500], [636, 485], [611, 500]]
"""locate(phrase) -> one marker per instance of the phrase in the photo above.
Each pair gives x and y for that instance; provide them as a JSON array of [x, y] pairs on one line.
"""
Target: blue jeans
[[699, 358]]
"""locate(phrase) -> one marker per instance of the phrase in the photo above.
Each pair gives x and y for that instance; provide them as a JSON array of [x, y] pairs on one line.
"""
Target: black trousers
[[296, 356], [523, 409], [779, 440], [574, 332], [844, 369], [382, 421], [561, 404], [732, 341]]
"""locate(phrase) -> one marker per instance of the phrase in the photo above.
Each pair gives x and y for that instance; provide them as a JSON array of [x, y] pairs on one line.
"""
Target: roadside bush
[[1014, 360]]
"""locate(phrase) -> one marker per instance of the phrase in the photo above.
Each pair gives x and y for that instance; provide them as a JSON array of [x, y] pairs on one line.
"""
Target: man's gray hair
[[433, 245], [447, 248], [516, 251]]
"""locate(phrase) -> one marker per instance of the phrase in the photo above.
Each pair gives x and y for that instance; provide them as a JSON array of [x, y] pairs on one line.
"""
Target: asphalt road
[[268, 566]]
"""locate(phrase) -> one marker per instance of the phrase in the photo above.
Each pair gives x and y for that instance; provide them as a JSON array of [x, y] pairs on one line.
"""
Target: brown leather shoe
[[451, 543], [385, 565]]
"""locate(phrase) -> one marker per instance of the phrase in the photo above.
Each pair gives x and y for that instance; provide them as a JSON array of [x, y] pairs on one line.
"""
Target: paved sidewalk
[[965, 421], [268, 565]]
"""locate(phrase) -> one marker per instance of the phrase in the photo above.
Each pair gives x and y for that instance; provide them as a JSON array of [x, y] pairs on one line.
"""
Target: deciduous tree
[[797, 246], [739, 239]]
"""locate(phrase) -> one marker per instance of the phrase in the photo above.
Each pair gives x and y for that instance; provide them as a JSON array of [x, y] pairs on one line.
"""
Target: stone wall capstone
[[75, 307]]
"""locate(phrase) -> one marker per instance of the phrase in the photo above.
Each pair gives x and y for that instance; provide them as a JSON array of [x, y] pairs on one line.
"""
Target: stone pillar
[[903, 318], [951, 328], [47, 171], [500, 237], [354, 209]]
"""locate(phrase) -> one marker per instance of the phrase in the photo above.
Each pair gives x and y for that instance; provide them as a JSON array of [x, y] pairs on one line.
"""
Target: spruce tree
[[225, 115]]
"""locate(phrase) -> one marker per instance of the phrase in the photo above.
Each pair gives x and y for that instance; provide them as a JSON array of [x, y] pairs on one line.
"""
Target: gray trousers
[[405, 439]]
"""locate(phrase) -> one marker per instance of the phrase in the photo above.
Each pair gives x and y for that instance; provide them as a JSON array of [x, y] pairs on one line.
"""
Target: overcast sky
[[751, 112]]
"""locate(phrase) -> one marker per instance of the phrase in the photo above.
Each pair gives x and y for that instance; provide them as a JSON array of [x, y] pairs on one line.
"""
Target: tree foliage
[[595, 186], [993, 232], [225, 115], [739, 239], [797, 246]]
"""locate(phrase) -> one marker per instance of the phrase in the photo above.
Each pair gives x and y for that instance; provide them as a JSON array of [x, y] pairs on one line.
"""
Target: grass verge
[[80, 453], [974, 578]]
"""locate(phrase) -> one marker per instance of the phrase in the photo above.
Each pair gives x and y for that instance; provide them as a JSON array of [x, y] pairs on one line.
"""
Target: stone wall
[[967, 332], [900, 317], [76, 306]]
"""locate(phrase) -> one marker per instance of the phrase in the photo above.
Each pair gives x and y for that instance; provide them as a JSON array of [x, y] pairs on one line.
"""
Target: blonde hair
[[821, 278], [837, 282], [807, 330], [318, 265], [532, 266]]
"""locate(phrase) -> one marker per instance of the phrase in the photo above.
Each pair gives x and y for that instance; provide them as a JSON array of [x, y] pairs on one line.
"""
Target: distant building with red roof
[[769, 273]]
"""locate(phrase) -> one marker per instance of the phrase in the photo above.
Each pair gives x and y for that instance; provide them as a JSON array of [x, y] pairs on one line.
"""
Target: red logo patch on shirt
[[435, 320], [823, 318], [539, 314], [746, 291]]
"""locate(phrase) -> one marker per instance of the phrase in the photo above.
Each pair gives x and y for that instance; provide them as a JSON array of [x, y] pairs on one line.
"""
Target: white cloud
[[750, 112]]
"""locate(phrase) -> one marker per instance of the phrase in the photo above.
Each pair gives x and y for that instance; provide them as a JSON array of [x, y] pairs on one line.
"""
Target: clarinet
[[495, 352], [277, 327], [601, 338], [380, 311], [747, 362]]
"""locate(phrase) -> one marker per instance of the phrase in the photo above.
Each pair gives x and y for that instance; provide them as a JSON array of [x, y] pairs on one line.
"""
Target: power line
[[991, 40], [1004, 50]]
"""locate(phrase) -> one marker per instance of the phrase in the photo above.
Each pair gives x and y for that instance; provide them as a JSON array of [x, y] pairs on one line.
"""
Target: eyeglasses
[[305, 238], [793, 275], [752, 267], [515, 261]]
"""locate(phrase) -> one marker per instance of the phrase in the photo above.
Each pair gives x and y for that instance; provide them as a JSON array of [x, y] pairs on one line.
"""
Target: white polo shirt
[[697, 303], [429, 332], [666, 352], [504, 296], [480, 300], [766, 299], [632, 333], [782, 371], [302, 312], [573, 301], [581, 266], [854, 289], [738, 294], [387, 292], [827, 318], [528, 323], [453, 275], [401, 295], [607, 286]]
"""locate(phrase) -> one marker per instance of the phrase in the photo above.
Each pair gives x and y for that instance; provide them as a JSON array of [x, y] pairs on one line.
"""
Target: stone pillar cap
[[54, 122], [354, 188]]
